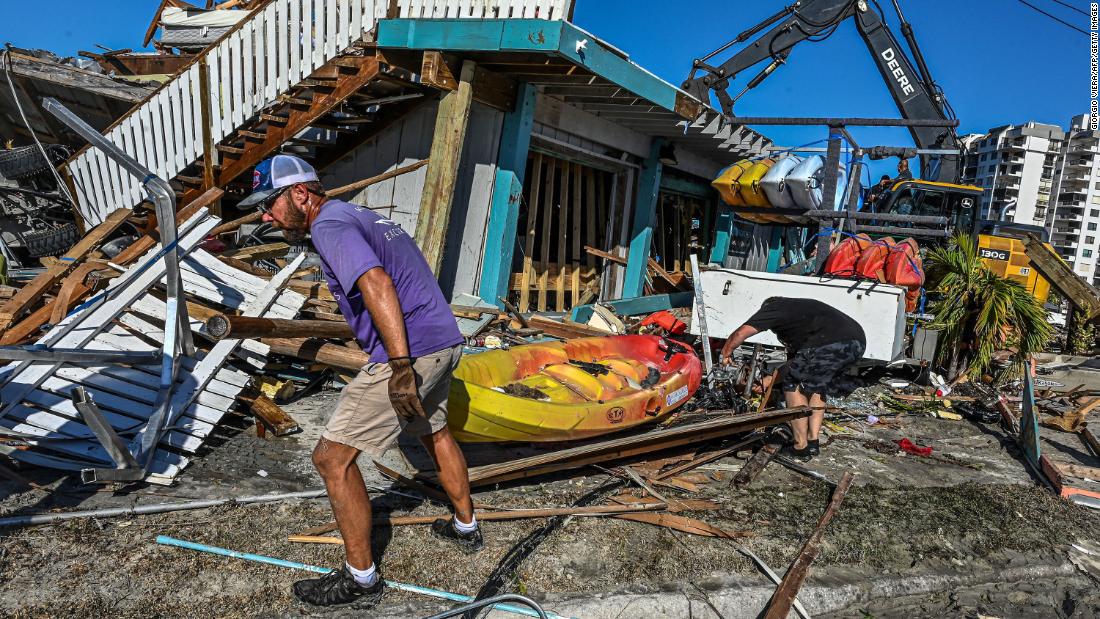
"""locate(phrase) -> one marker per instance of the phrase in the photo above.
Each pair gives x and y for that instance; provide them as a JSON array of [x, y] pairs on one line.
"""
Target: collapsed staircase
[[294, 72]]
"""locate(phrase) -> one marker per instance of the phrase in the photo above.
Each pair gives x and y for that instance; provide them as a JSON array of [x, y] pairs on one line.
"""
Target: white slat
[[96, 168], [272, 60], [192, 139], [156, 118], [179, 146], [248, 68], [342, 16], [321, 39], [307, 35], [125, 179], [358, 9], [78, 172], [236, 78], [295, 41], [144, 152], [225, 87]]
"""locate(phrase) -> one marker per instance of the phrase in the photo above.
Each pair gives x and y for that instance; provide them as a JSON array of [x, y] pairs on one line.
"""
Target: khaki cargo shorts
[[364, 418]]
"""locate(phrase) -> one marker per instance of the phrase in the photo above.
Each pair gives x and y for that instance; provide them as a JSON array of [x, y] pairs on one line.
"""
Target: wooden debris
[[636, 478], [320, 351], [1073, 420], [703, 459], [517, 514], [1090, 440], [755, 464], [684, 524], [271, 415], [222, 326], [259, 252], [780, 603], [233, 226], [42, 284], [367, 182], [564, 330], [629, 446]]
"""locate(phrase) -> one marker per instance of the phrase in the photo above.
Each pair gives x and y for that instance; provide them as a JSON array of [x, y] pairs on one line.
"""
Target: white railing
[[282, 42]]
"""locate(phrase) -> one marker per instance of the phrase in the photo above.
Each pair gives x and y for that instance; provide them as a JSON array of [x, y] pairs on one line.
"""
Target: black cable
[[1070, 6], [1060, 21]]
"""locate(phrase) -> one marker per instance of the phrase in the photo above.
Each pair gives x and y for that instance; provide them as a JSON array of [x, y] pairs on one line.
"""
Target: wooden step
[[274, 118], [253, 135], [189, 180], [230, 150]]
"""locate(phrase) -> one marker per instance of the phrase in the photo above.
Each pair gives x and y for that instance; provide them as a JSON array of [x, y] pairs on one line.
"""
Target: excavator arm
[[915, 94]]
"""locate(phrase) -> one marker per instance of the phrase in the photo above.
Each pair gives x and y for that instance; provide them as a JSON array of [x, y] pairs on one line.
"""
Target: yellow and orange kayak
[[555, 391], [727, 182]]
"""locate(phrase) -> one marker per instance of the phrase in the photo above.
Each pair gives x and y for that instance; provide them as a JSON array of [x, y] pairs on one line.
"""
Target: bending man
[[821, 343], [391, 299]]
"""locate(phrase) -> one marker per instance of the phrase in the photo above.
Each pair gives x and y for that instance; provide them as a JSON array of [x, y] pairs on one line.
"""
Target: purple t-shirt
[[353, 240]]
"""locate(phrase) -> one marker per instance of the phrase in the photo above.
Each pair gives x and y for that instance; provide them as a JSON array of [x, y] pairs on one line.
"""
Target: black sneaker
[[802, 455], [338, 587], [445, 529], [814, 447]]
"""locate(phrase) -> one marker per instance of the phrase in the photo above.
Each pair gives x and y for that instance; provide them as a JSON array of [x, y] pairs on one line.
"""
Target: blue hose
[[447, 595]]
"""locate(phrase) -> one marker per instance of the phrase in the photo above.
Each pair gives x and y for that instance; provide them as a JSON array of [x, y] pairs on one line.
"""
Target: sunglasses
[[266, 204]]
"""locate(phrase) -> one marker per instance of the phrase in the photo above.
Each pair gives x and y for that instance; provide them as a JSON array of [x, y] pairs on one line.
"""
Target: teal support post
[[641, 230], [723, 233], [500, 234], [775, 250]]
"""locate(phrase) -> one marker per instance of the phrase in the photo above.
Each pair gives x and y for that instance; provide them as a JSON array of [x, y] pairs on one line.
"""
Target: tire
[[51, 242], [25, 161]]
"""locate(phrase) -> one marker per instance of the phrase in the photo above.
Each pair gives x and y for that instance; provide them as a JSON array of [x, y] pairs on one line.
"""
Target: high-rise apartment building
[[1046, 176]]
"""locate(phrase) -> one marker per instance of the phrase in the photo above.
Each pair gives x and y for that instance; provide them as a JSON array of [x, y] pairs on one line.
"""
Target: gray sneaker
[[469, 542]]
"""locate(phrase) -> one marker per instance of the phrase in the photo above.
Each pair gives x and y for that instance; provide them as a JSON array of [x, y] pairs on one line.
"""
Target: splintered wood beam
[[352, 76], [784, 595], [367, 182], [439, 183], [629, 446], [222, 326], [320, 351], [271, 415]]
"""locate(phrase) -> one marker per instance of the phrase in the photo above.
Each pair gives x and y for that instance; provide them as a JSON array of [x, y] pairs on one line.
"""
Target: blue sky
[[999, 61]]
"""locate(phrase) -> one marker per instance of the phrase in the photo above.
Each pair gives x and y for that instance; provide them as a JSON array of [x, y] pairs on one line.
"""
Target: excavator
[[917, 96]]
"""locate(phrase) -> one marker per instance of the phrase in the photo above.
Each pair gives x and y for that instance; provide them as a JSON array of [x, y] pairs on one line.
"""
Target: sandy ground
[[963, 534]]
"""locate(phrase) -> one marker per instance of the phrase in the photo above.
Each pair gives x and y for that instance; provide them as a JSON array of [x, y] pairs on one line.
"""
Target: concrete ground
[[964, 533]]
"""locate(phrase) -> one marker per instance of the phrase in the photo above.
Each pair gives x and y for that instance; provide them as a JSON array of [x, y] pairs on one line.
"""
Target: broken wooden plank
[[516, 514], [259, 252], [40, 285], [320, 351], [780, 604], [630, 446], [564, 330], [271, 415], [684, 524], [367, 182], [754, 465]]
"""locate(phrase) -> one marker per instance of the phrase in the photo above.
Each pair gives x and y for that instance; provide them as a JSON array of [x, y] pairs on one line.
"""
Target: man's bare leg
[[453, 474], [817, 402], [348, 496], [798, 426]]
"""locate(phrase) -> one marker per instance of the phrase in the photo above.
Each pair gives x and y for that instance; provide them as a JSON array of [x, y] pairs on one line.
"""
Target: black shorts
[[815, 370]]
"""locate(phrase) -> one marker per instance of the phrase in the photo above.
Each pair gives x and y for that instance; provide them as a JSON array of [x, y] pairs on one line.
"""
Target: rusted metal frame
[[780, 604]]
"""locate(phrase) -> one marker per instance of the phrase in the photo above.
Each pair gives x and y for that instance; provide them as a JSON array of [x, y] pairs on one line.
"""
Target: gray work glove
[[403, 394]]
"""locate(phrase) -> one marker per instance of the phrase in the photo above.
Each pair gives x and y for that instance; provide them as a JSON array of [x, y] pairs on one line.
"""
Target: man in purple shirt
[[392, 301]]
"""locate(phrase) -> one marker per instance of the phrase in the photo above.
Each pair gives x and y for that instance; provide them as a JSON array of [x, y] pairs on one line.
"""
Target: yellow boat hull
[[556, 391]]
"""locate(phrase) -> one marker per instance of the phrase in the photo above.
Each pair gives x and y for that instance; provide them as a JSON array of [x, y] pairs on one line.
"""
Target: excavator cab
[[958, 203], [1001, 247]]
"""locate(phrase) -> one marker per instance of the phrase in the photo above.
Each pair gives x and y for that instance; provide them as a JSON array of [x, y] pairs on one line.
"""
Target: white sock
[[365, 577], [463, 527]]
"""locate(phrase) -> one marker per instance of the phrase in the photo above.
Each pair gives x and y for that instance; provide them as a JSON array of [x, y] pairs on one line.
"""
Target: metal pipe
[[939, 234], [822, 149], [176, 323], [73, 355], [454, 612], [862, 216], [447, 595], [159, 508], [841, 122]]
